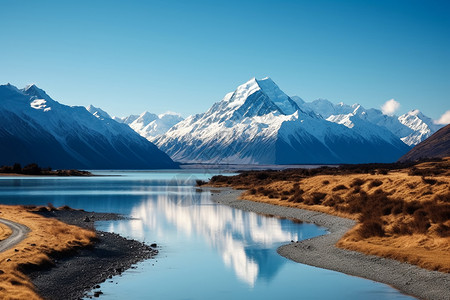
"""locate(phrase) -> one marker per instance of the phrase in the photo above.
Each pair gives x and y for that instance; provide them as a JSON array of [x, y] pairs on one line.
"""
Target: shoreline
[[79, 274], [321, 252]]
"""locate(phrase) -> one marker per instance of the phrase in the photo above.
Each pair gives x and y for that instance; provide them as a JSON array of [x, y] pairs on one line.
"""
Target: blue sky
[[131, 56]]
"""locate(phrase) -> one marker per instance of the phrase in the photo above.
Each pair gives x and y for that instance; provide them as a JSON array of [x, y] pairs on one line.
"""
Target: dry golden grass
[[47, 236], [401, 215], [5, 231]]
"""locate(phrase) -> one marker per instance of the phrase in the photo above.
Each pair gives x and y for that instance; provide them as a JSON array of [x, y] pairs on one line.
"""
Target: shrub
[[443, 198], [443, 230], [262, 175], [411, 207], [421, 222], [317, 197], [200, 182], [383, 171], [339, 187], [429, 181], [375, 183], [357, 182], [370, 228]]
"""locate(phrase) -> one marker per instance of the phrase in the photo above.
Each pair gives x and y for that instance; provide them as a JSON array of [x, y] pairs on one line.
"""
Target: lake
[[207, 250]]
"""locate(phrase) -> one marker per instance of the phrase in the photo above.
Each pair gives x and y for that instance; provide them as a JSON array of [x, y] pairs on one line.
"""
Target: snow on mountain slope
[[422, 126], [412, 127], [36, 128], [259, 124], [98, 112], [126, 120], [150, 125]]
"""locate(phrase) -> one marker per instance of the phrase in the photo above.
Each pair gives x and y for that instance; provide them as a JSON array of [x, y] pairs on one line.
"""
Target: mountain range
[[256, 124], [412, 127], [34, 128], [150, 125], [259, 124]]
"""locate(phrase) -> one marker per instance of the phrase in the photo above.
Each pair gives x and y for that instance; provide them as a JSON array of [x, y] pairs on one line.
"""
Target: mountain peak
[[33, 91], [146, 117], [98, 112], [414, 112], [286, 105]]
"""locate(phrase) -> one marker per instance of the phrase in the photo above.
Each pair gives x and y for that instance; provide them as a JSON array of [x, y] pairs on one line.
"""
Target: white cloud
[[390, 107], [444, 119]]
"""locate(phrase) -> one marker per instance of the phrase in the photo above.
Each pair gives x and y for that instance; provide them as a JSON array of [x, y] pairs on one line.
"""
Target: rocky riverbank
[[77, 275]]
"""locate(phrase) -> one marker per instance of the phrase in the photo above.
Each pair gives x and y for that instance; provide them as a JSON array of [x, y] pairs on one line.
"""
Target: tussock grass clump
[[357, 182], [371, 228], [339, 187], [375, 183]]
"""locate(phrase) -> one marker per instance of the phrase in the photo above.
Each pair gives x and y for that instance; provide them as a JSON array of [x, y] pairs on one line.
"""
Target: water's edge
[[321, 252]]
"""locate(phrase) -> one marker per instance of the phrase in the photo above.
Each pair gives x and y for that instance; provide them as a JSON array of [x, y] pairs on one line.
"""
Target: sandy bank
[[321, 252]]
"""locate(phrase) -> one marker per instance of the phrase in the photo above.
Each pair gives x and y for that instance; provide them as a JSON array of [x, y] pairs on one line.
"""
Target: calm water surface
[[207, 250]]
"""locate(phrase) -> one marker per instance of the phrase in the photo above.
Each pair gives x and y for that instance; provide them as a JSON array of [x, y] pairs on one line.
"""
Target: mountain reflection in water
[[245, 241]]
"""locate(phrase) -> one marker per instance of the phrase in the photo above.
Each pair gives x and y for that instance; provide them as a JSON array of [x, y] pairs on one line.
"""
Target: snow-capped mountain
[[98, 112], [422, 126], [126, 120], [412, 127], [260, 124], [150, 125], [36, 128]]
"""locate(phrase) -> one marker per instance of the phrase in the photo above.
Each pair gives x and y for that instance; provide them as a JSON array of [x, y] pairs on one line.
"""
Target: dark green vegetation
[[34, 169]]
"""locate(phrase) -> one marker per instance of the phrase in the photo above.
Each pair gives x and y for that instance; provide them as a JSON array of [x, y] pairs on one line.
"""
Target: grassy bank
[[403, 210], [5, 232], [47, 238]]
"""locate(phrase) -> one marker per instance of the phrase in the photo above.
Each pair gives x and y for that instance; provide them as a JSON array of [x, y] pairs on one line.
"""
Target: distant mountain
[[98, 112], [412, 127], [126, 120], [150, 125], [437, 145], [260, 124], [36, 128]]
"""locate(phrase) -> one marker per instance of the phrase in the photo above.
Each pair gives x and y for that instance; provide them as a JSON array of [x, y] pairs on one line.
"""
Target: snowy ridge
[[258, 123], [412, 127], [150, 125], [36, 128], [98, 112]]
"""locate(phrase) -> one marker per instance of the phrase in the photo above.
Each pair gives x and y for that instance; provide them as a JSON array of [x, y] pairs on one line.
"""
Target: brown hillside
[[437, 145]]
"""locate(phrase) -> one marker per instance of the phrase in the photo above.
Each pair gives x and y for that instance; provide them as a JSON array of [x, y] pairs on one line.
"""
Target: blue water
[[207, 250]]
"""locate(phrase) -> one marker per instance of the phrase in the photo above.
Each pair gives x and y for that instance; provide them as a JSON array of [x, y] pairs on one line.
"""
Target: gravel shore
[[77, 275], [321, 252]]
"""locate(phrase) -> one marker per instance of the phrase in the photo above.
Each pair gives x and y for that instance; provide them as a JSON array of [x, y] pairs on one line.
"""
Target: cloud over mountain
[[390, 107]]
